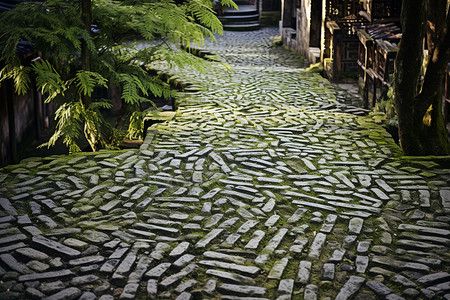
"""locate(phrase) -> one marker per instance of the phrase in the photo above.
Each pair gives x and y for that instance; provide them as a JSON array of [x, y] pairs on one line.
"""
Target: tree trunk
[[86, 18], [421, 127], [86, 65]]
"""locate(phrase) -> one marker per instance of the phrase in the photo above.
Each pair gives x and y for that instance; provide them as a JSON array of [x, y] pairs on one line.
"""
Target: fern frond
[[158, 87], [9, 46], [204, 13], [136, 127], [72, 34], [19, 74], [94, 124], [100, 103], [22, 80], [182, 59], [48, 80], [88, 39], [130, 89], [86, 82], [69, 117], [229, 3]]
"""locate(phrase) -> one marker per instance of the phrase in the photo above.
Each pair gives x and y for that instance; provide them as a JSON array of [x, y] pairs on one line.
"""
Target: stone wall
[[301, 28]]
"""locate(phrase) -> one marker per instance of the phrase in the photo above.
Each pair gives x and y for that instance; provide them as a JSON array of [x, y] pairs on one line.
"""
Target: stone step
[[239, 18], [245, 18], [242, 27], [243, 9]]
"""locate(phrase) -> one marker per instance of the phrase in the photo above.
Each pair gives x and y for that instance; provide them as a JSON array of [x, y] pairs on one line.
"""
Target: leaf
[[86, 82], [19, 74], [69, 117], [136, 127], [100, 103], [48, 80], [204, 13], [229, 3], [22, 80]]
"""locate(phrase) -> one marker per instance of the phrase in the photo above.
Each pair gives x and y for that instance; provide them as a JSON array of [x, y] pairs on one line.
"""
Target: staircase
[[244, 19]]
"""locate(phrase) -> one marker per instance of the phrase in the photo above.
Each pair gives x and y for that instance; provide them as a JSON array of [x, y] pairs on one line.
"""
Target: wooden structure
[[271, 5], [21, 117], [378, 48], [341, 43], [342, 53], [341, 47], [376, 55], [326, 30], [307, 27], [381, 11]]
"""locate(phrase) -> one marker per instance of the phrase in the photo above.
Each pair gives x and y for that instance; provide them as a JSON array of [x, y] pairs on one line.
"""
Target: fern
[[229, 3], [48, 79], [100, 104], [73, 118], [131, 87], [20, 75], [136, 129], [132, 36], [69, 125], [86, 81], [22, 80], [203, 12]]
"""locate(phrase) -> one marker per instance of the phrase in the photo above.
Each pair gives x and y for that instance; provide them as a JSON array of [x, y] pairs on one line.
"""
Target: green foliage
[[130, 37], [229, 3], [69, 126], [73, 119], [135, 129], [20, 76], [387, 108], [86, 82], [53, 26], [48, 80], [203, 12]]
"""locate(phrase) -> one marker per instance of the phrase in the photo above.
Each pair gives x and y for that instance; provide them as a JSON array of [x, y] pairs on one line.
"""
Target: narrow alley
[[266, 184]]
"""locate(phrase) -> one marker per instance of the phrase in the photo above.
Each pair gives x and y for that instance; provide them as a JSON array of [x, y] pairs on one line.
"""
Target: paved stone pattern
[[266, 185]]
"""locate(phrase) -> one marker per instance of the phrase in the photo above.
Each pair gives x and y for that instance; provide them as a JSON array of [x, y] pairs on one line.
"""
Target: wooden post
[[366, 47], [338, 48], [11, 121], [86, 18]]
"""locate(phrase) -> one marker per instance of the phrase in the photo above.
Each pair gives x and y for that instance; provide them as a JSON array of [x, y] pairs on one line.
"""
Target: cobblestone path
[[261, 187]]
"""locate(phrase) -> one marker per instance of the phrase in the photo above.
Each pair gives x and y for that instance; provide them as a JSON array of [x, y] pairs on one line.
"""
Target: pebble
[[304, 271], [350, 288], [242, 289], [227, 276]]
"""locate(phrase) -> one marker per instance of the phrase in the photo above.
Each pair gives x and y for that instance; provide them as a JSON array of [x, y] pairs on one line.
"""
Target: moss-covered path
[[264, 185]]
